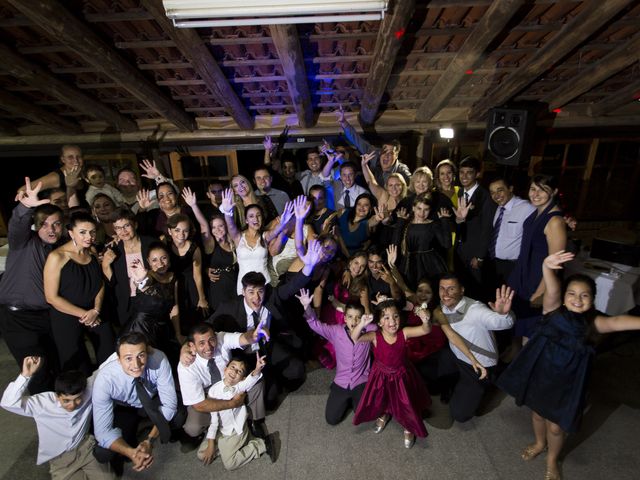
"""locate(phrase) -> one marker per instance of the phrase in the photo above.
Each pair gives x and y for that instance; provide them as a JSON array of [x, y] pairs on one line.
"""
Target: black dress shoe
[[270, 445], [257, 428]]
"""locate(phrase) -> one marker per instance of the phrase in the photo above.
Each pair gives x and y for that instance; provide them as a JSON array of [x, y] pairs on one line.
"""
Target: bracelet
[[159, 179]]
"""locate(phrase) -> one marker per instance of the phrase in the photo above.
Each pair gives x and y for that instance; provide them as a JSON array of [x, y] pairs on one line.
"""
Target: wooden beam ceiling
[[44, 81], [190, 45], [469, 56], [25, 109], [388, 43], [64, 27], [591, 18], [616, 61], [287, 44], [620, 98]]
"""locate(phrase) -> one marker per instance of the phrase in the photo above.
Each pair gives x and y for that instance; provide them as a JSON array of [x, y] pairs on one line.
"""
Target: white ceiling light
[[222, 13], [446, 133]]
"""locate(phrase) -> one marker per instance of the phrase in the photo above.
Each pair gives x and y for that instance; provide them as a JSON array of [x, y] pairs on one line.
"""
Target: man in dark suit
[[262, 305], [473, 232]]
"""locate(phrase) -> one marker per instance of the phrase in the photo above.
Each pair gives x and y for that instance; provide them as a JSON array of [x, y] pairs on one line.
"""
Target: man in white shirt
[[63, 420], [202, 364], [474, 322], [506, 235], [229, 427]]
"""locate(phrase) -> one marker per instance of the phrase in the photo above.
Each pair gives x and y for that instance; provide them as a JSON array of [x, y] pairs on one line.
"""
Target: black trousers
[[28, 333], [285, 368], [339, 401], [128, 419], [471, 278], [68, 334], [468, 389]]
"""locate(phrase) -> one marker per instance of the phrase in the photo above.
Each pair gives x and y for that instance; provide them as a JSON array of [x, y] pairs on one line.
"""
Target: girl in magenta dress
[[394, 388]]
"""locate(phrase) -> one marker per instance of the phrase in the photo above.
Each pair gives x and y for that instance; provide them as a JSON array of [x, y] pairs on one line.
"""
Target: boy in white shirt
[[95, 177], [236, 446], [63, 419]]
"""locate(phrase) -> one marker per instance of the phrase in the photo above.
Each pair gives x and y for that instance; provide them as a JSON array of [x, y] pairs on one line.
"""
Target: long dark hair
[[351, 215]]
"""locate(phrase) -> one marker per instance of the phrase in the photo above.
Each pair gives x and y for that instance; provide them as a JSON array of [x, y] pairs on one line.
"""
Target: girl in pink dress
[[394, 388]]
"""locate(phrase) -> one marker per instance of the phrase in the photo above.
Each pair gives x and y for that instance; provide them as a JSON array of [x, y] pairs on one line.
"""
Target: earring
[[74, 242]]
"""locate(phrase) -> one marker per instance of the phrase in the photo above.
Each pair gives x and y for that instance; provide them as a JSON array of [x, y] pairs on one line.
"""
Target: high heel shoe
[[409, 439], [381, 422]]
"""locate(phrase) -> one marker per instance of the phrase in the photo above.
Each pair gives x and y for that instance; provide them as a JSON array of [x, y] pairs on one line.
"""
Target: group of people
[[362, 267]]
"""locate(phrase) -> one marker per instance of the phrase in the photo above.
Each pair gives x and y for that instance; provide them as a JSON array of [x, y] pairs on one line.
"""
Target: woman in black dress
[[74, 288], [222, 265]]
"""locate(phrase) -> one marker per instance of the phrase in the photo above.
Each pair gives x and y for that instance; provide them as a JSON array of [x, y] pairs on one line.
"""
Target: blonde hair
[[441, 164], [403, 182], [421, 171], [240, 208]]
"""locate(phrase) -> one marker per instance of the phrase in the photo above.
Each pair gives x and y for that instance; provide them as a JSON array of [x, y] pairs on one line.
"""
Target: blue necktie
[[495, 233], [347, 199]]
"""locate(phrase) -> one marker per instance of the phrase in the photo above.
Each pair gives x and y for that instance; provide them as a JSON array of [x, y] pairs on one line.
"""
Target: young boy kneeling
[[236, 446], [63, 419]]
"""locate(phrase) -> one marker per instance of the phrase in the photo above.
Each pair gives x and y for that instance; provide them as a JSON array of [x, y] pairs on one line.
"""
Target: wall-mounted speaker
[[509, 135]]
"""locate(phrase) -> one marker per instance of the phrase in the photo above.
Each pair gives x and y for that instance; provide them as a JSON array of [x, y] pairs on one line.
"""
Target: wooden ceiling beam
[[613, 101], [42, 80], [61, 25], [287, 44], [205, 65], [471, 53], [591, 18], [388, 43], [36, 114], [616, 61]]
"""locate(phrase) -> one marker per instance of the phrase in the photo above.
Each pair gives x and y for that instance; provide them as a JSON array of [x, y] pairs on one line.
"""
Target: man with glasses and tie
[[133, 383], [202, 363]]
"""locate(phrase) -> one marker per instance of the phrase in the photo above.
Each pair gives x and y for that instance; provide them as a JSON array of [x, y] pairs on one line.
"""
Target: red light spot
[[469, 72], [557, 110], [400, 33]]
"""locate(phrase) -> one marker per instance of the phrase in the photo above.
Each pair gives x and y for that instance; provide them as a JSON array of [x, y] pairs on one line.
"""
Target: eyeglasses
[[126, 226]]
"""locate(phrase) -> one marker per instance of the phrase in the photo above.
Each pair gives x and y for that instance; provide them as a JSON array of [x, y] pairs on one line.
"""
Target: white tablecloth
[[618, 288]]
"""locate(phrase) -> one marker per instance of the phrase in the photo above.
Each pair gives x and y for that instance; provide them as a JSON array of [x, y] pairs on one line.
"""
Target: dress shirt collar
[[249, 310], [472, 190], [459, 308]]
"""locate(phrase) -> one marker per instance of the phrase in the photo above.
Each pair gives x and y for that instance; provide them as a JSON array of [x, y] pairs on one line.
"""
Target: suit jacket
[[474, 234], [232, 317], [338, 193]]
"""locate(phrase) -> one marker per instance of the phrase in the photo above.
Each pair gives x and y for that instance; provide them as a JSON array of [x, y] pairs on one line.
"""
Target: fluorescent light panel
[[219, 13], [446, 133]]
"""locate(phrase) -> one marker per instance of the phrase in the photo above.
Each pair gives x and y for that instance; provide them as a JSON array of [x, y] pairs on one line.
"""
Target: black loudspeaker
[[509, 134]]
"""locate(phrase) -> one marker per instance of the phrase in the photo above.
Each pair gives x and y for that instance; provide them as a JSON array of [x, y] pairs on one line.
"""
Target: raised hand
[[504, 297], [287, 214], [29, 196], [138, 272], [301, 207], [380, 297], [30, 365], [392, 255], [150, 169], [385, 275], [366, 319], [402, 213], [143, 199], [267, 143], [304, 298], [555, 260], [314, 253], [260, 363], [463, 209], [72, 177], [444, 213], [423, 313], [189, 197], [340, 115], [227, 204], [366, 158], [187, 355]]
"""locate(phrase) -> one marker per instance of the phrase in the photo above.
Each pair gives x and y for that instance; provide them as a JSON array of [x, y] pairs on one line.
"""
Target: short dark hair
[[126, 169], [348, 165], [174, 220], [425, 198], [503, 180], [395, 144], [173, 187], [254, 279], [264, 167], [200, 329], [450, 276], [94, 167], [354, 306], [309, 151], [42, 212], [582, 278], [470, 162], [318, 188], [71, 382], [158, 245], [131, 338], [236, 358], [123, 213]]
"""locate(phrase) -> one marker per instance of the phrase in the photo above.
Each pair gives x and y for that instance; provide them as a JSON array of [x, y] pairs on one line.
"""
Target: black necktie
[[152, 411], [347, 199], [466, 198], [495, 233], [214, 371], [256, 319]]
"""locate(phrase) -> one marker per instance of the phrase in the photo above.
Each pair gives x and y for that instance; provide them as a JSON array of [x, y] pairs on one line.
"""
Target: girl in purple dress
[[394, 388]]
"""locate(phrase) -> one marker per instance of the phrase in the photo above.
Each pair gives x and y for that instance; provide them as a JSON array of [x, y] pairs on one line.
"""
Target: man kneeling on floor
[[133, 383], [236, 446], [63, 419]]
